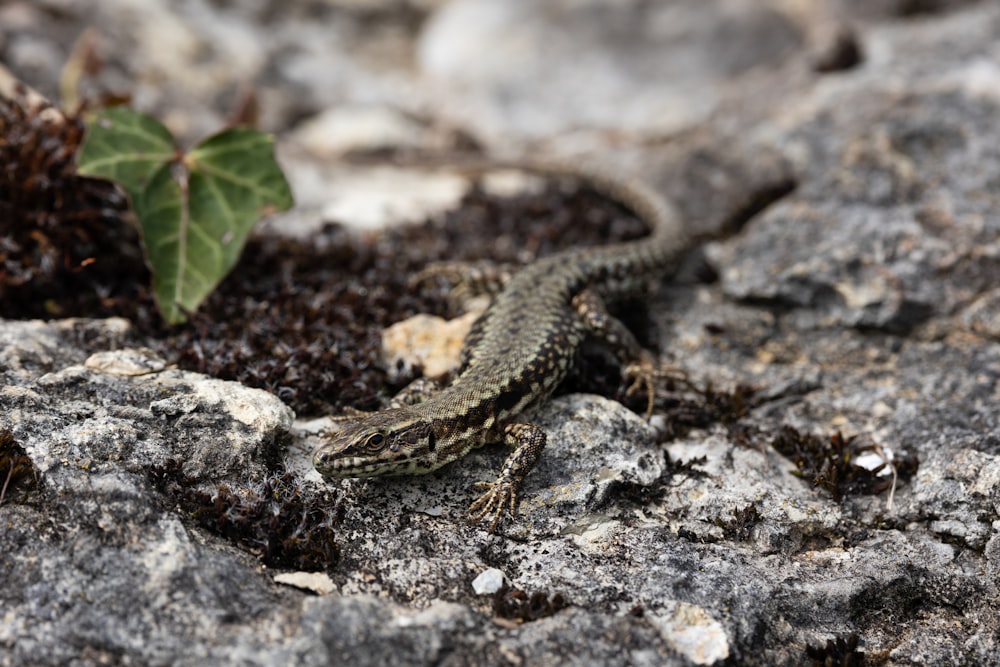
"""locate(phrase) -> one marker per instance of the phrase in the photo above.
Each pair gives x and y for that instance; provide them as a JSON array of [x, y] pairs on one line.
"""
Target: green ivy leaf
[[126, 146], [200, 213], [196, 210]]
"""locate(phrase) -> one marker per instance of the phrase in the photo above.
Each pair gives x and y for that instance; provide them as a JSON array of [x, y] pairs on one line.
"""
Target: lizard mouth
[[330, 465], [356, 466], [352, 466]]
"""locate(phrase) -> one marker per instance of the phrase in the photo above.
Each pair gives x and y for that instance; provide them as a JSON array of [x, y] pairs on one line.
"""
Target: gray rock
[[560, 66]]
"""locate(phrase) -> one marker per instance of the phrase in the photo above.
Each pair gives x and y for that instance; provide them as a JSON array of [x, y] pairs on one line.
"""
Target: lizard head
[[392, 442]]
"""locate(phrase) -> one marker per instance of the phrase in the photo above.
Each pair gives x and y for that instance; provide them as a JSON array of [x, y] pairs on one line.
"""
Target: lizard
[[516, 354]]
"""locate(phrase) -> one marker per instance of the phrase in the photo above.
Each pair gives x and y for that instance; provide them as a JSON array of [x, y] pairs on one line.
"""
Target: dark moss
[[66, 248], [830, 463], [282, 522], [513, 604], [741, 525], [687, 406], [674, 473]]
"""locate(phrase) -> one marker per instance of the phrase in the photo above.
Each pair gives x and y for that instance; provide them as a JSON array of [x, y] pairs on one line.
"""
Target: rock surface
[[862, 302]]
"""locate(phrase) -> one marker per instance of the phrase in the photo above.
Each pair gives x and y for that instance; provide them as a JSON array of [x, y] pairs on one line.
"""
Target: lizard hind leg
[[640, 366], [468, 280]]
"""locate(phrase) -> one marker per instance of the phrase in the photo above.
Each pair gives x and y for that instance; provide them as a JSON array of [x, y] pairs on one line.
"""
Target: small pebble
[[489, 582]]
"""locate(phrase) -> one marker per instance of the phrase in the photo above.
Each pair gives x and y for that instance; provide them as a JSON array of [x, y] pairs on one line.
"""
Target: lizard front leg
[[501, 495]]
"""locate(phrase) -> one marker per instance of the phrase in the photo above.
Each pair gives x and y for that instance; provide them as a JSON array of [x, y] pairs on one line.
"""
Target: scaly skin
[[516, 354]]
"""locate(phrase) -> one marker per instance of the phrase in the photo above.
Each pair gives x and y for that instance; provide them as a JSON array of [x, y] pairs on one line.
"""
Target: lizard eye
[[375, 442]]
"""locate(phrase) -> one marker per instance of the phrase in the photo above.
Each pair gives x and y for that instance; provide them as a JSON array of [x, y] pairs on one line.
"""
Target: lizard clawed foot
[[500, 497], [642, 373]]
